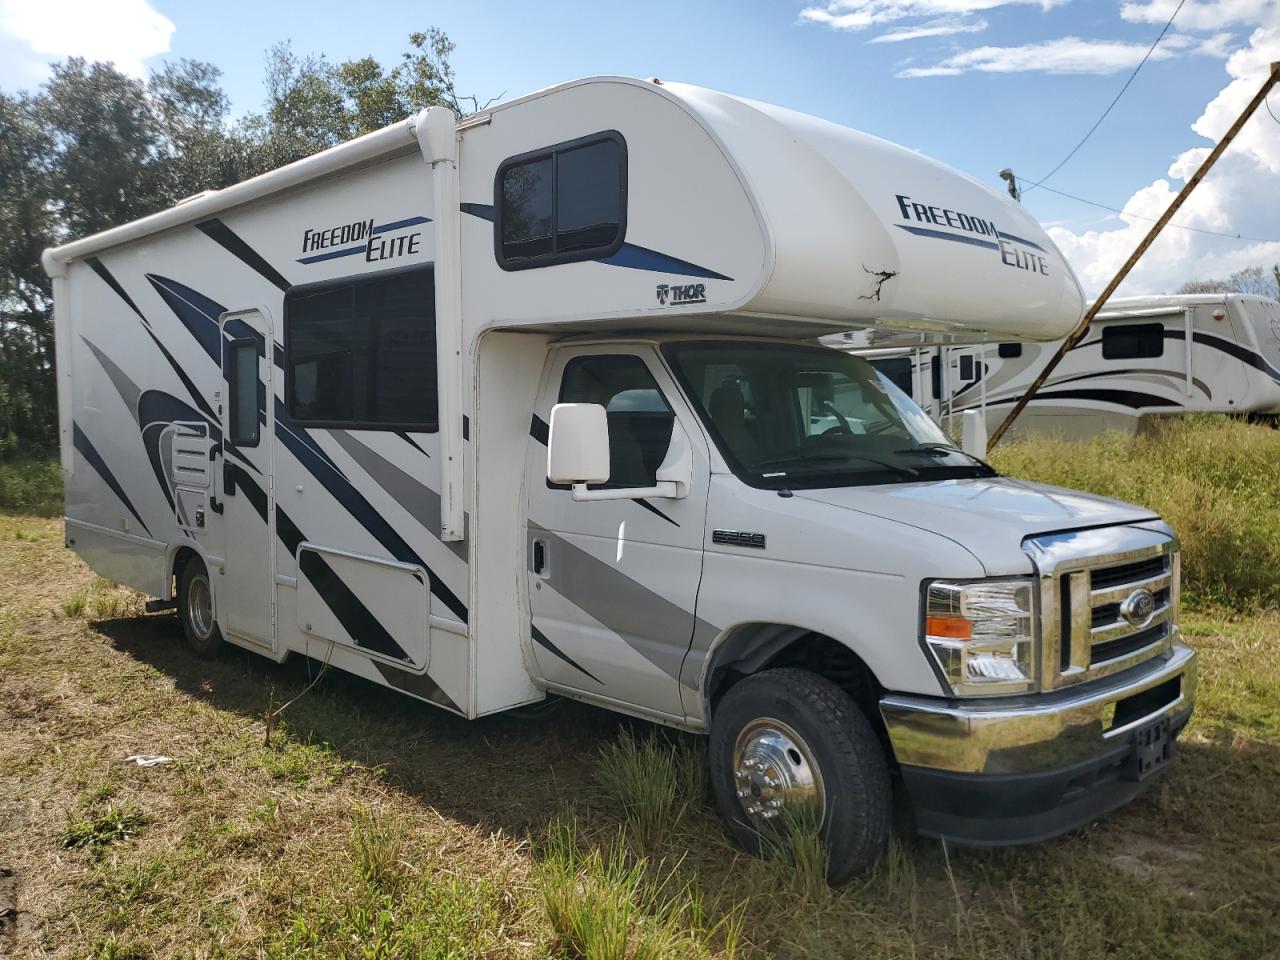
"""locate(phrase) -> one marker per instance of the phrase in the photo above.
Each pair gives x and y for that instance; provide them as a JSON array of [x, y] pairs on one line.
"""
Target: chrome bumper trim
[[1031, 733]]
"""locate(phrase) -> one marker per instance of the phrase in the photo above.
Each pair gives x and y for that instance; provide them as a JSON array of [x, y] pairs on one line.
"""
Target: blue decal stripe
[[482, 210], [642, 258], [940, 235], [333, 254], [1025, 243], [94, 459], [397, 224]]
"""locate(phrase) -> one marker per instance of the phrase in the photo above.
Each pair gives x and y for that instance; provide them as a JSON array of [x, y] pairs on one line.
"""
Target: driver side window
[[640, 421]]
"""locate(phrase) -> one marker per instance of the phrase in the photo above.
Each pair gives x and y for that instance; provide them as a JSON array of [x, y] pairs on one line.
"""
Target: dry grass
[[376, 826]]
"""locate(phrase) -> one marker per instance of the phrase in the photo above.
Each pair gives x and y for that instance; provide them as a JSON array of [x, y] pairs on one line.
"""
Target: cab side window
[[640, 421]]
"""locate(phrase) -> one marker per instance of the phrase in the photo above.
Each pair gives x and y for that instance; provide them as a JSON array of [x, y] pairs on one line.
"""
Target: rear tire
[[196, 610], [783, 738]]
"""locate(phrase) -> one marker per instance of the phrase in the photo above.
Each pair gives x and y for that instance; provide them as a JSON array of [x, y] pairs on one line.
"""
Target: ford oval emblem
[[1138, 607]]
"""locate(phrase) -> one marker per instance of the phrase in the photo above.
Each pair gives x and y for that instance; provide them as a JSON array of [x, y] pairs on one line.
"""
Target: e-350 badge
[[680, 294]]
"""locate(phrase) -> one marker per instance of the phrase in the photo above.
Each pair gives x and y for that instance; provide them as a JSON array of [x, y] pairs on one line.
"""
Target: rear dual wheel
[[195, 610], [787, 745]]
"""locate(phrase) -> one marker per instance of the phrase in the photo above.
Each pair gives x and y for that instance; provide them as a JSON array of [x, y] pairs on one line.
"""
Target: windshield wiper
[[899, 469], [942, 449]]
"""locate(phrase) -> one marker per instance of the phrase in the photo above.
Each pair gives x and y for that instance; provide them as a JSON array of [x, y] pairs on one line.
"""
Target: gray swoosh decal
[[128, 390], [641, 617], [421, 502]]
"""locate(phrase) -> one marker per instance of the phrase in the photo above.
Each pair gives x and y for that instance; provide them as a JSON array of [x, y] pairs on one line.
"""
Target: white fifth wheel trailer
[[1144, 357], [521, 405]]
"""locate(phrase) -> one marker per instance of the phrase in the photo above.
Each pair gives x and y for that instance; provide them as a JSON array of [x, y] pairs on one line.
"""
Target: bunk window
[[1009, 351], [361, 352], [242, 376], [562, 204], [1132, 341]]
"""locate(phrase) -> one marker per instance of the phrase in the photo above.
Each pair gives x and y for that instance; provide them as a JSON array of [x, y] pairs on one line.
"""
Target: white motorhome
[[521, 405], [1144, 357]]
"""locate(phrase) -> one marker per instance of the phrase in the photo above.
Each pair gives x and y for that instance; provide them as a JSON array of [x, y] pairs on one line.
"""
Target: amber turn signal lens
[[949, 628]]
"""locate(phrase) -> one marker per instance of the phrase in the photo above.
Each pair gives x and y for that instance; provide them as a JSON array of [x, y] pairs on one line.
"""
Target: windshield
[[794, 416]]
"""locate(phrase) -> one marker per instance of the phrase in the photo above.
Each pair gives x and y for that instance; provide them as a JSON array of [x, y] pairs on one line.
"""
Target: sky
[[978, 84]]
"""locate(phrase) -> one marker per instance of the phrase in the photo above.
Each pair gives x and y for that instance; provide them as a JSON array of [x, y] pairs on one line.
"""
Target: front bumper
[[1022, 769]]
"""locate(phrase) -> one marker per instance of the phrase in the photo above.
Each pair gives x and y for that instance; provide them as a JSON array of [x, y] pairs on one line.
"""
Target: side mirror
[[578, 444]]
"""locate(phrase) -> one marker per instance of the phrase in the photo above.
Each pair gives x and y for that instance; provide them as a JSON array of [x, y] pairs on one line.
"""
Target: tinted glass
[[966, 366], [527, 214], [244, 393], [1009, 351], [639, 419], [1132, 341], [362, 351], [897, 369], [588, 196], [807, 417]]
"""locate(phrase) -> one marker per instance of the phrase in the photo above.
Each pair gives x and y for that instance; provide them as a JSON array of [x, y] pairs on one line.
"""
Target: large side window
[[1132, 341], [361, 352], [242, 377], [561, 204], [640, 420]]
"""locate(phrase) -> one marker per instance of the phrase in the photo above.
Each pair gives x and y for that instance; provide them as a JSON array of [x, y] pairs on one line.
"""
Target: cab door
[[244, 594], [613, 584]]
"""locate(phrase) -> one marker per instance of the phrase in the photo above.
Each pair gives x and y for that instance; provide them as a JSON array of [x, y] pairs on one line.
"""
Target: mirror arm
[[668, 489]]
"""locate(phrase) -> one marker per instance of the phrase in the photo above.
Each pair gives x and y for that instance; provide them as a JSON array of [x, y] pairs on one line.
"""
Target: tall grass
[[1215, 480], [653, 779], [31, 487]]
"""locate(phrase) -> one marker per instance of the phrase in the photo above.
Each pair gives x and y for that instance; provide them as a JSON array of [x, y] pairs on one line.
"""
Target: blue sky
[[978, 84]]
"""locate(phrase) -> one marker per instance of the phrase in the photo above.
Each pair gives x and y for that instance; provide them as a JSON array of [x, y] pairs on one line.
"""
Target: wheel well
[[181, 558], [765, 646]]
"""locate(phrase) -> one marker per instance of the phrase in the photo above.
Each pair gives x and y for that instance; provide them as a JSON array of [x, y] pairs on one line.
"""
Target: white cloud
[[1241, 195], [1067, 55], [942, 27], [1201, 14], [860, 14], [124, 32]]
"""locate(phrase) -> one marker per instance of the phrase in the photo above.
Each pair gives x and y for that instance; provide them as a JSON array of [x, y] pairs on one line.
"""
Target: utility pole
[[1078, 334]]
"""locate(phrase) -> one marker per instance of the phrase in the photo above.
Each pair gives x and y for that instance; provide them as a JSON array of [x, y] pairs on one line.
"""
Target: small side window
[[966, 366], [1009, 351], [897, 370], [562, 204], [242, 376], [1132, 341], [640, 420]]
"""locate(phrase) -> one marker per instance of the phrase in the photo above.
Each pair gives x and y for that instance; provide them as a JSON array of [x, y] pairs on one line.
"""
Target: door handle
[[540, 557]]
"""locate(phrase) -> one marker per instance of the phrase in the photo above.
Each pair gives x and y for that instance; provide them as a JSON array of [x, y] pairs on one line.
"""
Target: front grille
[[1085, 598]]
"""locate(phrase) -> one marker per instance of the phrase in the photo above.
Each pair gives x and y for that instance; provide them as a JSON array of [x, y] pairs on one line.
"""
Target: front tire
[[788, 739], [195, 610]]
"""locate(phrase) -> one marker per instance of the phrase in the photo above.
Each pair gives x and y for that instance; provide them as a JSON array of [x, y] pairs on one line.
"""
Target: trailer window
[[361, 352], [562, 204], [639, 418], [1009, 351], [1132, 341], [242, 376], [897, 370]]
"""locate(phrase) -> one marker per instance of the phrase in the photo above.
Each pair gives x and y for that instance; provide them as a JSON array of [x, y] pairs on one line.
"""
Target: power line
[[1113, 102], [1178, 226]]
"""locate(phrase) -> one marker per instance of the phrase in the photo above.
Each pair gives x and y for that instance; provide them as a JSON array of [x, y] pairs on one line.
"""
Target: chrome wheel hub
[[773, 769], [200, 607]]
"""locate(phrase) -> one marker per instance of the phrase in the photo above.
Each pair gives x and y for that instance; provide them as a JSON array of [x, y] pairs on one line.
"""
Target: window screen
[[361, 352], [1009, 351], [242, 375], [563, 204], [639, 419], [1132, 341]]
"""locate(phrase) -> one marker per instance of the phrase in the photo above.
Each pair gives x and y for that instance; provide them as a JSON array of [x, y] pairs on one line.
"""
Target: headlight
[[982, 635]]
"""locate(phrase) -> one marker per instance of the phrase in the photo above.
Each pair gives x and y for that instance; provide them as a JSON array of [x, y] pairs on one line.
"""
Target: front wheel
[[786, 741], [195, 610]]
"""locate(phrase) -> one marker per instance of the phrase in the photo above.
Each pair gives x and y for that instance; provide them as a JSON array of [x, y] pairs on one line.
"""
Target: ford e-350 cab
[[533, 404]]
